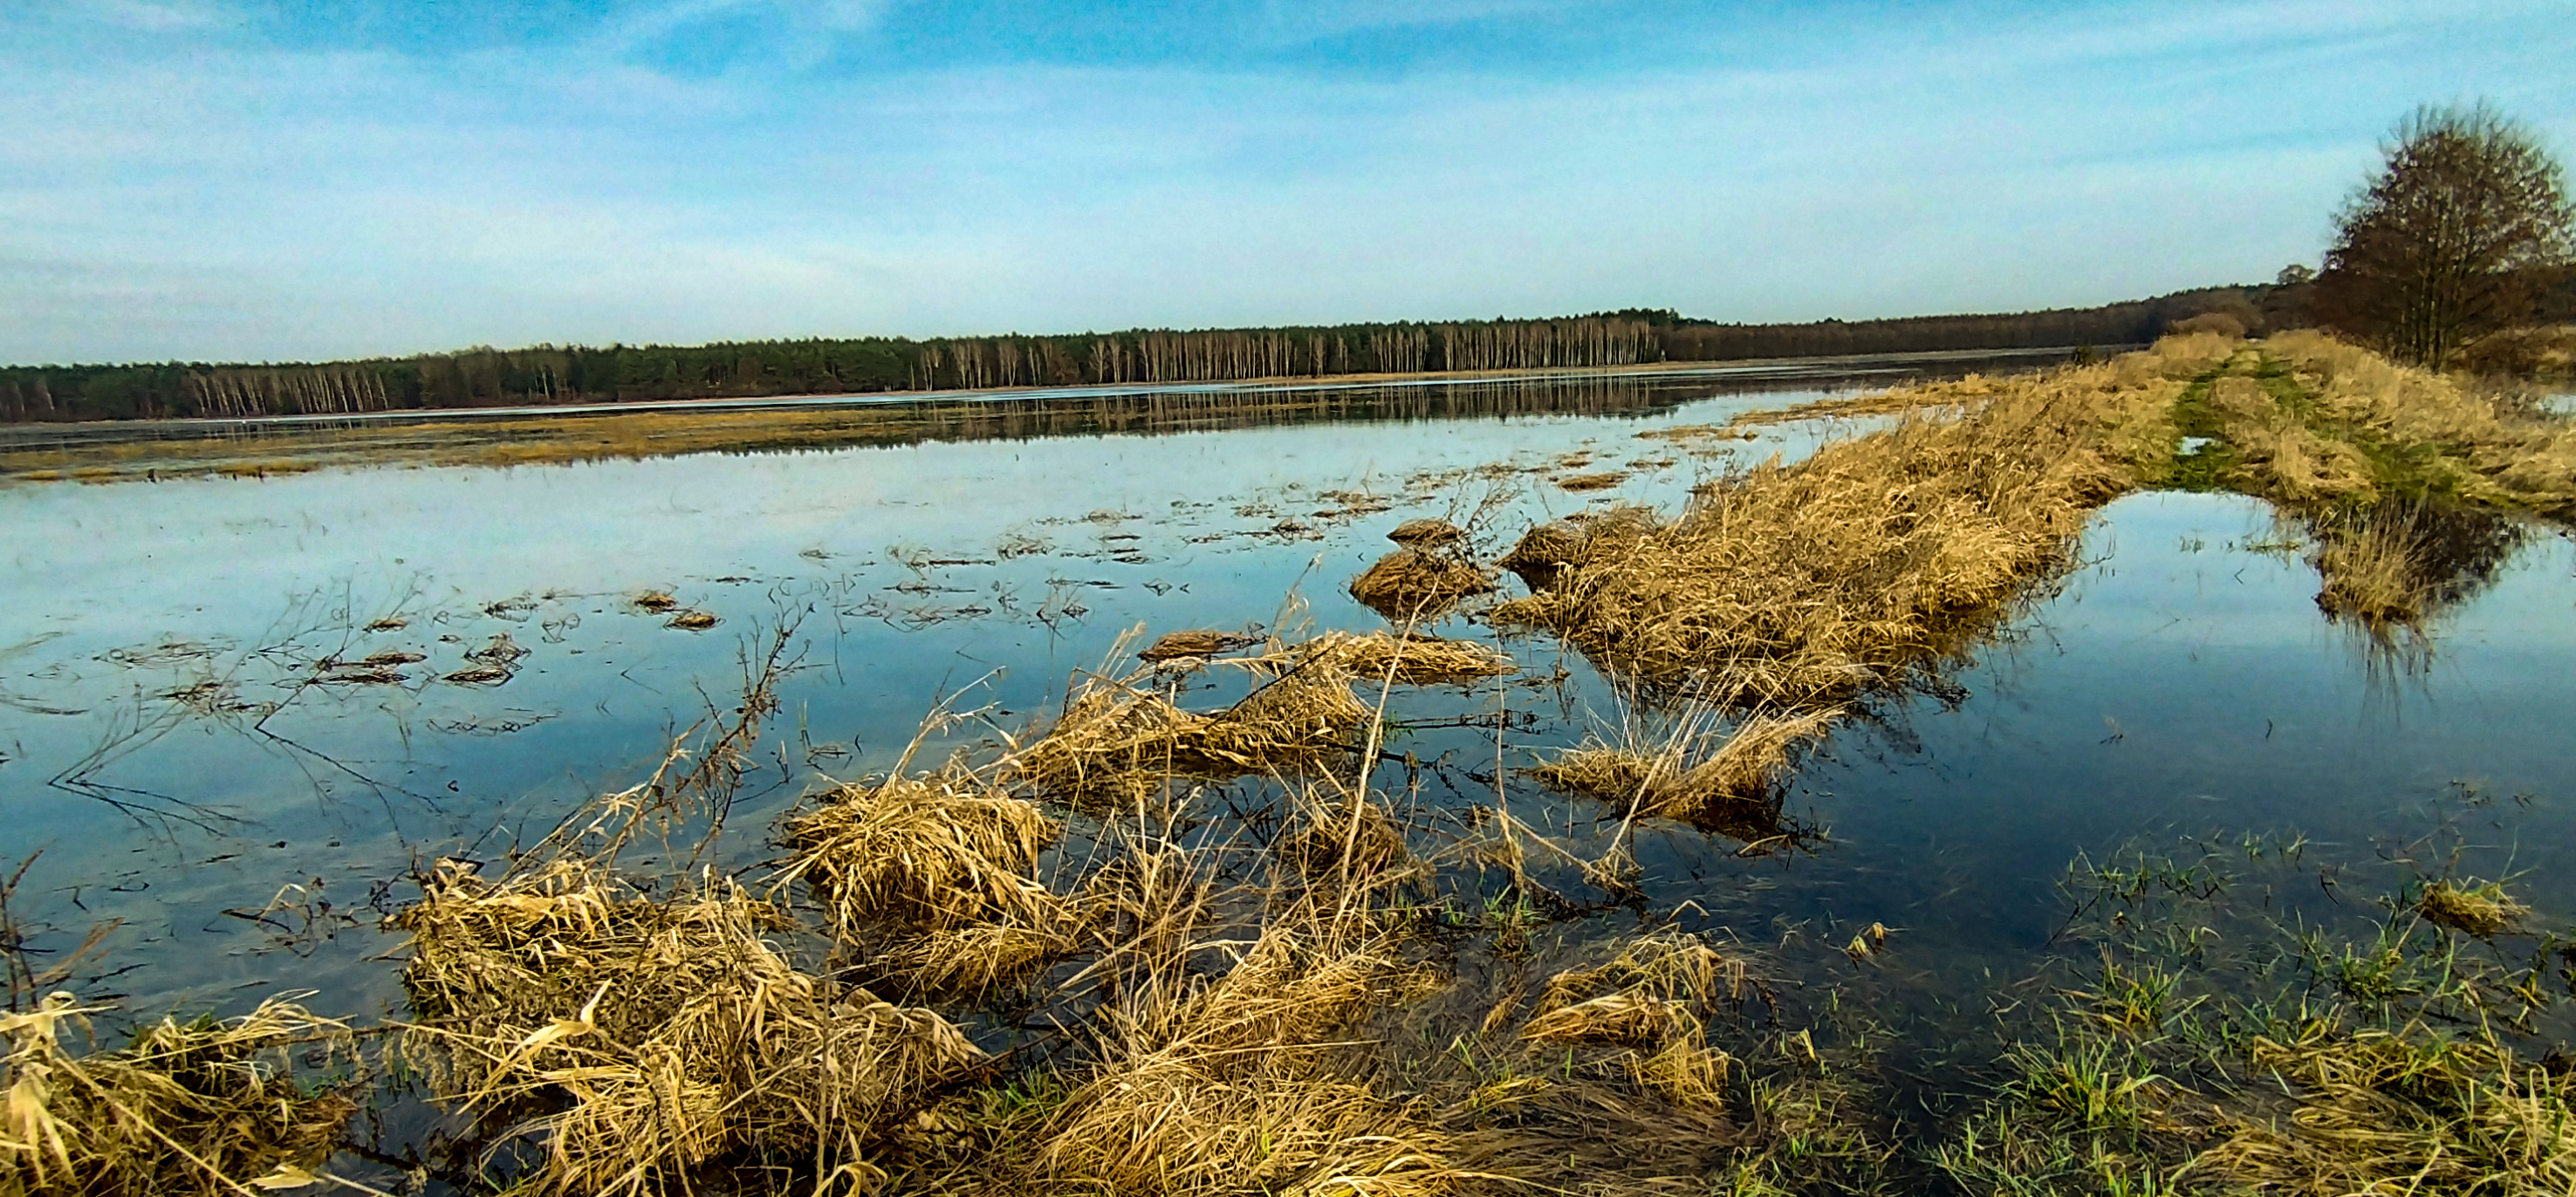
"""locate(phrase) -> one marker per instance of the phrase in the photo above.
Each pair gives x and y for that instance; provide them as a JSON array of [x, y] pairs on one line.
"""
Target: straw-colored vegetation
[[641, 1039], [195, 1107], [1788, 589], [1120, 740], [2305, 418], [2480, 910], [1414, 659], [1415, 582], [1803, 585], [1224, 1084], [1718, 782], [1051, 965], [939, 873]]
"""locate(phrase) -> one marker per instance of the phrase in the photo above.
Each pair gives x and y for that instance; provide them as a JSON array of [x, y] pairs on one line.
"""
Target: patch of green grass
[[2208, 465]]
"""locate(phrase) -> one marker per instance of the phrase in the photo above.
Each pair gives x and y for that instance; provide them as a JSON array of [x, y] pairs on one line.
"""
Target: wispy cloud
[[153, 16], [225, 198]]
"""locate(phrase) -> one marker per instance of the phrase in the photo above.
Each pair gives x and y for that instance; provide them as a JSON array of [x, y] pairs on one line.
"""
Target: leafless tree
[[2462, 229]]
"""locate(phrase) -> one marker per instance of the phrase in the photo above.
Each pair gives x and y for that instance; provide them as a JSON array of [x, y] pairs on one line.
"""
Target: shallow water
[[2180, 681], [170, 749]]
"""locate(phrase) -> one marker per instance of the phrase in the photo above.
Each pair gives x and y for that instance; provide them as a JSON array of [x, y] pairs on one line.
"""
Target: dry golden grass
[[2376, 572], [203, 1107], [2411, 1110], [1745, 769], [1119, 742], [1412, 659], [1655, 999], [1194, 642], [939, 872], [2480, 910], [939, 850], [658, 1035], [1803, 585], [1596, 480], [1414, 583], [1666, 966], [2491, 449], [1427, 533], [2309, 468], [1223, 1085], [1339, 834], [2397, 564], [1623, 1018]]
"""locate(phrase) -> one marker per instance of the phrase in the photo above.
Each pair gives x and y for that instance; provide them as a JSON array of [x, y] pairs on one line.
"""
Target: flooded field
[[242, 716]]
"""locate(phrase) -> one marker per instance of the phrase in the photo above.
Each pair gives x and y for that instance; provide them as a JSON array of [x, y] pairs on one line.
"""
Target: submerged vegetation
[[1188, 933]]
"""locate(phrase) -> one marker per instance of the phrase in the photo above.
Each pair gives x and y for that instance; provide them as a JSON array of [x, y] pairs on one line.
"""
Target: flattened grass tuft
[[201, 1107], [1223, 1085], [2482, 910], [1733, 788], [937, 873], [654, 1036], [1414, 582], [1119, 743]]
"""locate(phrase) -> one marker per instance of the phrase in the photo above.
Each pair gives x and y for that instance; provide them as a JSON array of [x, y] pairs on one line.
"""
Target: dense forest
[[485, 377]]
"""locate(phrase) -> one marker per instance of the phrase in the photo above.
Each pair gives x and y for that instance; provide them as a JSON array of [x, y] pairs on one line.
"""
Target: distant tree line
[[2282, 304], [486, 377]]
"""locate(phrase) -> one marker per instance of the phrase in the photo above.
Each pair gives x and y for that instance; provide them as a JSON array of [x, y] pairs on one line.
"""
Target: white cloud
[[152, 16], [261, 204]]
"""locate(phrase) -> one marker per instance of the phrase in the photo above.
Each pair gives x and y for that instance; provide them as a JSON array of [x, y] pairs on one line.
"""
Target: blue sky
[[263, 180]]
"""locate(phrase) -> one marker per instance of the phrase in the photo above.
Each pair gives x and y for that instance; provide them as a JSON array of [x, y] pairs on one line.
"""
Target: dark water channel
[[165, 742]]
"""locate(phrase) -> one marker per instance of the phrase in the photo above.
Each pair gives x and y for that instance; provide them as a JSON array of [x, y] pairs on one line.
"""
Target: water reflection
[[187, 728]]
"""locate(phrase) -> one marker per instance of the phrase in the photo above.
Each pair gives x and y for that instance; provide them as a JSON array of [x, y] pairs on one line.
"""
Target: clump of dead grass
[[2400, 563], [1427, 533], [2481, 910], [1119, 741], [1654, 999], [1224, 1084], [1339, 834], [2407, 1110], [1414, 582], [654, 1036], [1194, 642], [2375, 572], [1412, 659], [939, 870], [937, 850], [1663, 781], [1544, 553], [1595, 480], [201, 1107]]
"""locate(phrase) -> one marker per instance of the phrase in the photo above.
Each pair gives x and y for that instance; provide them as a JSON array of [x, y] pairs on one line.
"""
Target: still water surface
[[168, 745]]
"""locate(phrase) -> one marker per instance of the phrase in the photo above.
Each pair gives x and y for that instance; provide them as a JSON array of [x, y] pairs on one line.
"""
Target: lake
[[192, 735]]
